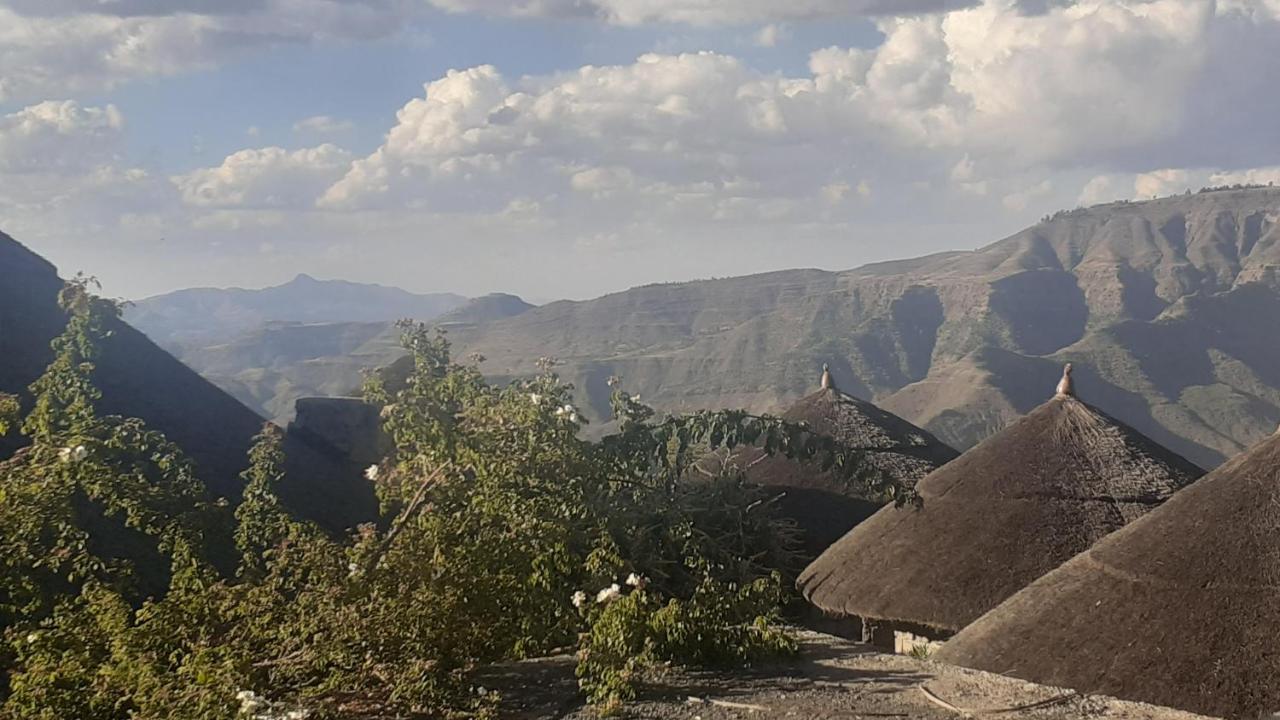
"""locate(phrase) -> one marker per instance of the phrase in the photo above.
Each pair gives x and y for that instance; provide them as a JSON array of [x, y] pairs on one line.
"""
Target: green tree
[[503, 535]]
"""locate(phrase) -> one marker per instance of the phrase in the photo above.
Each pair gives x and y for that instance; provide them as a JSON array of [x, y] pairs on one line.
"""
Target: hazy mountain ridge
[[269, 367], [202, 316], [138, 379], [1168, 306]]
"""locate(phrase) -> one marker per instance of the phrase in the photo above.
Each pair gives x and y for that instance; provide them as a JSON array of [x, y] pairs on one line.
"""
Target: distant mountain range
[[204, 316], [273, 363], [1170, 310], [138, 379]]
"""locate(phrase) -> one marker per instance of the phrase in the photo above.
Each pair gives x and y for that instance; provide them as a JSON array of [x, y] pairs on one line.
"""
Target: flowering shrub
[[722, 624], [125, 592]]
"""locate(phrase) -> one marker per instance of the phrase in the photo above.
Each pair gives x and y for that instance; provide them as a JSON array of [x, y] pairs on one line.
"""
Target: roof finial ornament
[[1065, 385], [826, 378]]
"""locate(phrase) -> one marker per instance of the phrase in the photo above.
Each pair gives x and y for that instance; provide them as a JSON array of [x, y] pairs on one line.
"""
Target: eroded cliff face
[[1168, 308]]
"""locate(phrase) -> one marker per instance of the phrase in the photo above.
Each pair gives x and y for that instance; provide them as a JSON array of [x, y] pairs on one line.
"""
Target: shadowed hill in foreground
[[138, 379], [1178, 609], [823, 506], [1001, 515]]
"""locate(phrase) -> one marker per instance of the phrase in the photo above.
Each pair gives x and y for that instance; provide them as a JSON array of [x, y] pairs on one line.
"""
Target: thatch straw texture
[[1180, 608], [998, 517]]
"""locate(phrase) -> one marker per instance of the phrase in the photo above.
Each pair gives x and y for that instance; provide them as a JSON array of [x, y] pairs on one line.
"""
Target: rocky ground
[[831, 678]]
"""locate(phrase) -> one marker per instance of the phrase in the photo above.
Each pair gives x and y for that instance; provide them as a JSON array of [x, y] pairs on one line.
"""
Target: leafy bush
[[126, 592]]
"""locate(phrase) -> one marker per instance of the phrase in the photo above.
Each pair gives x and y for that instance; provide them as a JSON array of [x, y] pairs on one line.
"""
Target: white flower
[[573, 417], [636, 581], [579, 598], [352, 569], [73, 454], [609, 594], [635, 398], [481, 691], [250, 703], [371, 472], [535, 398], [297, 715], [33, 637]]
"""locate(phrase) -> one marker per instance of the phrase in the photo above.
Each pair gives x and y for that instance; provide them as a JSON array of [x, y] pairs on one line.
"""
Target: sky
[[571, 148]]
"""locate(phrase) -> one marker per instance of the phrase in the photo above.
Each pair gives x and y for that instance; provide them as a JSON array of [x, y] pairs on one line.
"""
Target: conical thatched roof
[[1181, 608], [824, 506], [1001, 515]]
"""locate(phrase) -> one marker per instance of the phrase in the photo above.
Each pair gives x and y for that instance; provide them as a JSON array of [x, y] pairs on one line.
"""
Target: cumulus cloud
[[1099, 189], [58, 136], [772, 34], [1252, 176], [981, 99], [69, 45], [270, 177], [1158, 183], [60, 163], [1003, 110], [700, 12]]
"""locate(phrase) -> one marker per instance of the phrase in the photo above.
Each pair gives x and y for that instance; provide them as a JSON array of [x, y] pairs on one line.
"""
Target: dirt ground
[[831, 678]]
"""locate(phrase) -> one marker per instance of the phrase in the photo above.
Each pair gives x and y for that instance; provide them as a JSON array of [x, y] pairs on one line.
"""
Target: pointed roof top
[[1002, 514], [1181, 604], [1065, 386], [824, 506]]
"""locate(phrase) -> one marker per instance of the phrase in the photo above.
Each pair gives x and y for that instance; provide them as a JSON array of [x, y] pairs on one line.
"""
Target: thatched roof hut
[[1001, 515], [1179, 609], [824, 506]]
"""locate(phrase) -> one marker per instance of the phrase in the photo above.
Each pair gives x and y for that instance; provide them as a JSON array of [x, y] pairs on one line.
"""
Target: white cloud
[[1100, 189], [73, 45], [698, 12], [771, 35], [1158, 183], [270, 177], [1022, 199], [1252, 176], [989, 114], [984, 100], [58, 136], [323, 125]]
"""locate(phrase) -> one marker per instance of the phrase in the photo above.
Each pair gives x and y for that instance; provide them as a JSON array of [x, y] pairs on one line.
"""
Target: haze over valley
[[1167, 307]]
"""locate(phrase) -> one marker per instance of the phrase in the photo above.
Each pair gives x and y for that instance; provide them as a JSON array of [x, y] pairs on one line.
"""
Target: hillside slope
[[138, 379], [1169, 308]]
